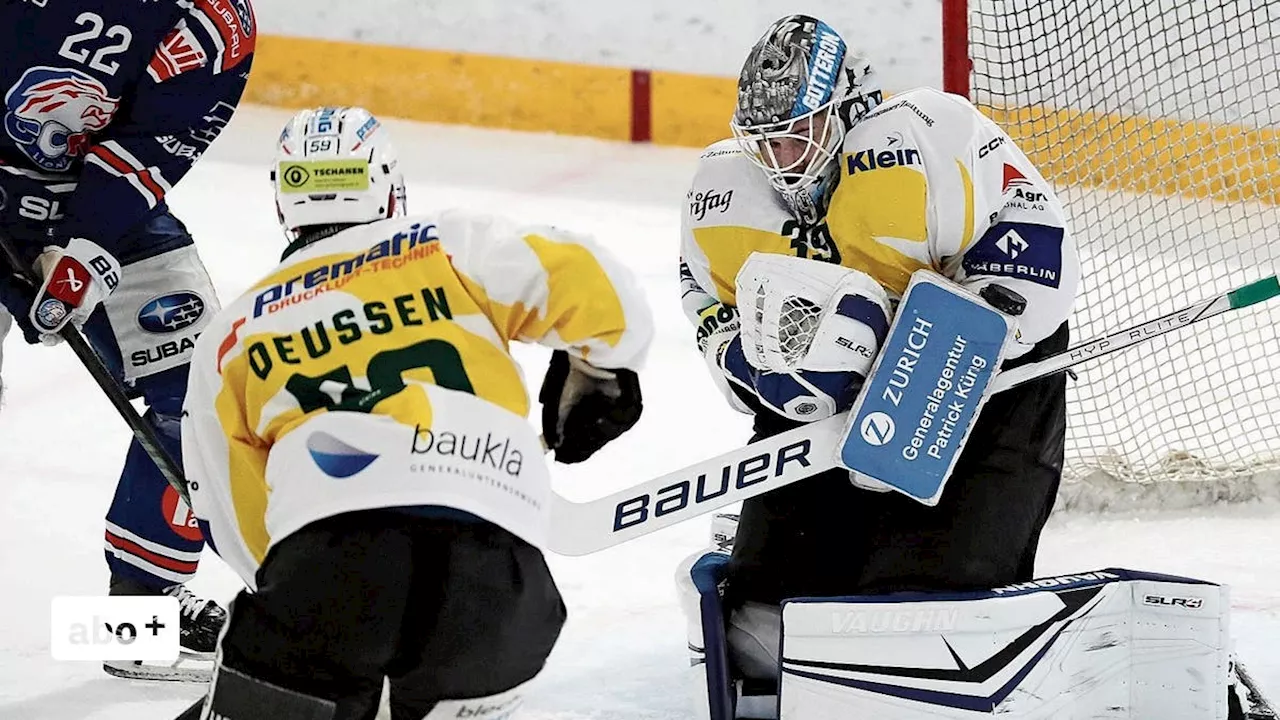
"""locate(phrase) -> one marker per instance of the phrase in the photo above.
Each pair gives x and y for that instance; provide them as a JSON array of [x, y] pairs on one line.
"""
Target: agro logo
[[171, 313], [52, 113], [335, 458]]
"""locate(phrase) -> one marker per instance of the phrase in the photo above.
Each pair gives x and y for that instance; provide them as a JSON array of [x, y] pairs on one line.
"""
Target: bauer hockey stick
[[142, 429], [581, 528]]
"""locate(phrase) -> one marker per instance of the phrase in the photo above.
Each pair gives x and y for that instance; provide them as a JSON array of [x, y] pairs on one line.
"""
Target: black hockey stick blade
[[142, 430]]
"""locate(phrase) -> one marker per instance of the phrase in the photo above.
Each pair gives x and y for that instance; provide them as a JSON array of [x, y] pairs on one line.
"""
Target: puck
[[1004, 299]]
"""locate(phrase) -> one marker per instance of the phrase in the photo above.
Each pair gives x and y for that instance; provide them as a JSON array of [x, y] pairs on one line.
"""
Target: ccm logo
[[990, 147], [1164, 601], [690, 493]]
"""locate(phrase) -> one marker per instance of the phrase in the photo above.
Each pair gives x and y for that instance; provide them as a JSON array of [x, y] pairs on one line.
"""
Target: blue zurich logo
[[171, 313], [336, 458]]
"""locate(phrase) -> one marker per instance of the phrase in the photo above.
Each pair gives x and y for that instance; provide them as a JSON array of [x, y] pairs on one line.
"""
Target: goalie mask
[[800, 90], [335, 166]]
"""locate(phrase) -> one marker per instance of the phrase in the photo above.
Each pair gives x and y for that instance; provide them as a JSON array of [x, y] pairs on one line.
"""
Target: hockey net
[[1158, 123]]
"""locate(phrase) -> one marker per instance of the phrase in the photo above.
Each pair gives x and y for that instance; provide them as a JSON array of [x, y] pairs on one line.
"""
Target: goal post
[[1158, 123]]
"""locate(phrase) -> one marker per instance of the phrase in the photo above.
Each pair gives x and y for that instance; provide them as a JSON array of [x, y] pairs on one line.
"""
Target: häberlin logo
[[877, 429], [119, 628], [1012, 244], [335, 457]]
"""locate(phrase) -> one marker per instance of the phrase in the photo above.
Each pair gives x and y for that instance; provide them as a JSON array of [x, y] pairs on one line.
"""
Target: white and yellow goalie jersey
[[371, 369], [926, 181]]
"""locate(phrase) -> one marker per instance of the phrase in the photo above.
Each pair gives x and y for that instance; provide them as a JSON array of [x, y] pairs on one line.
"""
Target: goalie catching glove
[[75, 279], [585, 407], [804, 337], [802, 314]]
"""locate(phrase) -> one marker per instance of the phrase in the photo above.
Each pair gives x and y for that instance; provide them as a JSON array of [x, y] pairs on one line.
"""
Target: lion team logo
[[52, 114]]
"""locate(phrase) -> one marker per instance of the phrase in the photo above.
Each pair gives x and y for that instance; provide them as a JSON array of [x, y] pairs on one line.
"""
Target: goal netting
[[1158, 122]]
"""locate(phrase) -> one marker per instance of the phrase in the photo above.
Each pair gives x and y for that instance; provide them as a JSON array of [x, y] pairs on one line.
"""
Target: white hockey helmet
[[335, 166], [800, 90]]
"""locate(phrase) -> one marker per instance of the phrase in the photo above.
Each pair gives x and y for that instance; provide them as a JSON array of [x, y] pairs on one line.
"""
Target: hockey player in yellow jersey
[[358, 449], [822, 167]]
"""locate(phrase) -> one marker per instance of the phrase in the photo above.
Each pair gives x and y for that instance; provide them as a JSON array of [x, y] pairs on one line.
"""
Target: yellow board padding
[[1196, 159], [444, 87], [1145, 155], [692, 110]]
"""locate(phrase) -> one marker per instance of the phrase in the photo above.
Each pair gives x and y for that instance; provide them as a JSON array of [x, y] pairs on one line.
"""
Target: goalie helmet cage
[[1158, 123]]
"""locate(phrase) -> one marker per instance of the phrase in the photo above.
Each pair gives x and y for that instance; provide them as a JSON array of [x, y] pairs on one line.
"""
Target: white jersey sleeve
[[927, 181], [551, 286]]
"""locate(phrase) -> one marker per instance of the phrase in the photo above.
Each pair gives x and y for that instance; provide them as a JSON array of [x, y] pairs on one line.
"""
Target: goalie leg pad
[[1108, 644], [698, 582], [755, 632], [733, 666]]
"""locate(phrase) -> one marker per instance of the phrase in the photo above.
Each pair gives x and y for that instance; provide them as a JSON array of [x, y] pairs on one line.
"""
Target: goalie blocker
[[928, 385], [1111, 643]]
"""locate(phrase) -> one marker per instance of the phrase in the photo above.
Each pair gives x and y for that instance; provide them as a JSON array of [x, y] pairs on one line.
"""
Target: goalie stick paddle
[[142, 430], [582, 528]]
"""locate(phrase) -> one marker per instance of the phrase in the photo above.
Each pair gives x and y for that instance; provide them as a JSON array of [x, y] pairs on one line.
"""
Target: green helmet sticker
[[322, 176]]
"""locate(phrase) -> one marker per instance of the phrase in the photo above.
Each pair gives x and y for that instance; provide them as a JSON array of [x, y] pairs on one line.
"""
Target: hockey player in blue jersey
[[106, 105]]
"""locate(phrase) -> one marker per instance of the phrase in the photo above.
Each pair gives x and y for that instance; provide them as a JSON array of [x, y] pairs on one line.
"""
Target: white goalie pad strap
[[802, 314], [162, 305], [1112, 643], [493, 707]]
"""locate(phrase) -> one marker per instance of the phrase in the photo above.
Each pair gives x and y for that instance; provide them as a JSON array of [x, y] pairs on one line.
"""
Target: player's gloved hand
[[584, 407], [718, 324], [74, 280], [802, 314]]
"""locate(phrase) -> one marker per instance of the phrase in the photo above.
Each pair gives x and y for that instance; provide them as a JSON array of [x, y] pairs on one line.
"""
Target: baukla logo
[[496, 452], [336, 458]]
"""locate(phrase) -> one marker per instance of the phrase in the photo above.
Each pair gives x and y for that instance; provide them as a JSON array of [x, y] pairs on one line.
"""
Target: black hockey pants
[[446, 609]]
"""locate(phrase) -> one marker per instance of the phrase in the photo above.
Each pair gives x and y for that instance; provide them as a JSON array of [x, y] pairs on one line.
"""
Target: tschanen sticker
[[324, 176]]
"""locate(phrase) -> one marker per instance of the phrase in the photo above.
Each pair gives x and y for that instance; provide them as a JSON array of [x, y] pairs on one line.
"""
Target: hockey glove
[[802, 314], [585, 407], [75, 279]]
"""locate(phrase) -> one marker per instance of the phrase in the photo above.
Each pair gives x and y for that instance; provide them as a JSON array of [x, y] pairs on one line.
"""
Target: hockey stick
[[142, 430], [581, 528], [1260, 706]]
